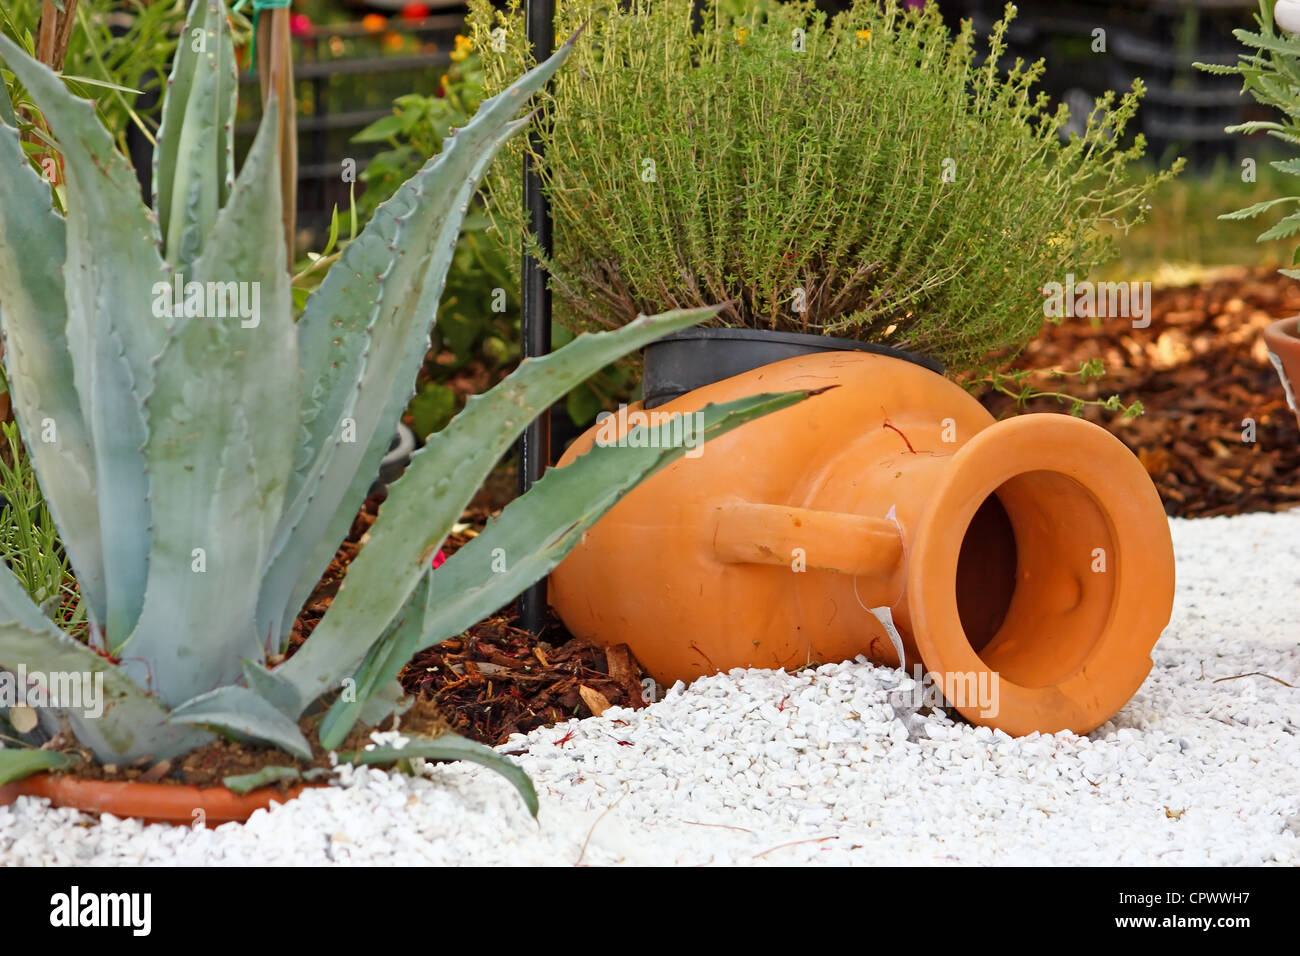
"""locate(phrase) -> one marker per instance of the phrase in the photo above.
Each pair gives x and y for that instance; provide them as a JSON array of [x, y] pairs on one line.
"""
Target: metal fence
[[1185, 109]]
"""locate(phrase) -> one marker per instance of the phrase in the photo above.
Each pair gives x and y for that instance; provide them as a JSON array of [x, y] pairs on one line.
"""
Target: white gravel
[[768, 767]]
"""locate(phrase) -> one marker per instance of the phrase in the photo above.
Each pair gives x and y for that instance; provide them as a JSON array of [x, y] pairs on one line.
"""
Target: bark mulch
[[495, 679], [1202, 374]]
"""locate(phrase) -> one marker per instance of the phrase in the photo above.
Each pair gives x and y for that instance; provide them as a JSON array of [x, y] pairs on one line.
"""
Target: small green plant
[[29, 543], [867, 175], [1271, 74], [115, 67], [202, 453]]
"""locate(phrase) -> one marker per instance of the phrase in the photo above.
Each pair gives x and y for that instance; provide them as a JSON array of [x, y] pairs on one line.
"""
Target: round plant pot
[[150, 802], [1025, 564], [1282, 339], [693, 358]]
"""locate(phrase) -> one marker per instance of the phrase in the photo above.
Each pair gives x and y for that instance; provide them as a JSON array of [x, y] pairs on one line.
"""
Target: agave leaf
[[197, 625], [386, 657], [18, 764], [450, 747], [534, 533], [246, 782], [219, 478], [438, 484], [279, 693], [328, 471], [363, 335], [384, 702], [131, 724], [34, 316], [7, 108], [112, 267], [242, 712], [192, 164]]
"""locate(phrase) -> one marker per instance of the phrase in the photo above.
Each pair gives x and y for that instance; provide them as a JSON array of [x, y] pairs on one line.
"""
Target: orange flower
[[373, 22], [463, 47], [392, 41]]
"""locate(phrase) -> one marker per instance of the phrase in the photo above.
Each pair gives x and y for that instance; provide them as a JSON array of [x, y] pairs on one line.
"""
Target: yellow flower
[[463, 46], [864, 35], [1055, 239], [741, 33]]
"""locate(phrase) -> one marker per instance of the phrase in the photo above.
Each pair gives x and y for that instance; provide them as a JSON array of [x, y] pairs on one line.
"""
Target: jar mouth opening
[[1055, 586], [1033, 584]]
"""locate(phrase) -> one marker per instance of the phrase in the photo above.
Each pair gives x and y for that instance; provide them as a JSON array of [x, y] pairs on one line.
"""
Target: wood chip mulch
[[1202, 374], [495, 679]]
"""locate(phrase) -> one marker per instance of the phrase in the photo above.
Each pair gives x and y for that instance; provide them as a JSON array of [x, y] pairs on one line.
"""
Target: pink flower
[[299, 25], [439, 558]]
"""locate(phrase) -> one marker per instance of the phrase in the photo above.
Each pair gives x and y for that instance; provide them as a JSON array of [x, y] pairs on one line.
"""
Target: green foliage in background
[[1270, 73], [1187, 229], [808, 188], [29, 543], [117, 49], [478, 317]]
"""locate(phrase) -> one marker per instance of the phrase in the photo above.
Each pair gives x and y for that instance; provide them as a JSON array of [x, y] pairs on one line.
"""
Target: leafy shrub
[[866, 175], [112, 66], [1271, 74]]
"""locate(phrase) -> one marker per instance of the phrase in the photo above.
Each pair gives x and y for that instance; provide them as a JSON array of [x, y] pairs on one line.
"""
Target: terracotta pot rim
[[1287, 328], [1108, 472], [1282, 340], [151, 802]]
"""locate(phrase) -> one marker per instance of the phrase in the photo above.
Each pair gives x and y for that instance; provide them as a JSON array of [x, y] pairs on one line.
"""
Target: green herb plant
[[1270, 73], [866, 175]]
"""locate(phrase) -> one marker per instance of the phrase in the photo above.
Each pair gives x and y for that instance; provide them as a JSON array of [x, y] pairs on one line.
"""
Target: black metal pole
[[535, 445]]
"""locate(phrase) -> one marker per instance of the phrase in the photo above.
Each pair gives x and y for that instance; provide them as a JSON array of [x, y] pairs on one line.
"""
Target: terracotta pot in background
[[150, 802], [1283, 341], [1032, 553]]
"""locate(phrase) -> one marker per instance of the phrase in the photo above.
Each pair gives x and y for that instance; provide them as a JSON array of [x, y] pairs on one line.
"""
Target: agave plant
[[203, 453]]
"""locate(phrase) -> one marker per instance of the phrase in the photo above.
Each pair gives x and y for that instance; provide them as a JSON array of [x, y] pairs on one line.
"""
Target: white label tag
[[886, 619], [1286, 383]]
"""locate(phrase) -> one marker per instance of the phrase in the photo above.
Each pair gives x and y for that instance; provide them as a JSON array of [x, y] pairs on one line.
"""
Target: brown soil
[[212, 763], [497, 679]]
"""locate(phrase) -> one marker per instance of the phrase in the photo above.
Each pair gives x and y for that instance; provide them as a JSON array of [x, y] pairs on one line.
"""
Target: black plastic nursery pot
[[694, 358]]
